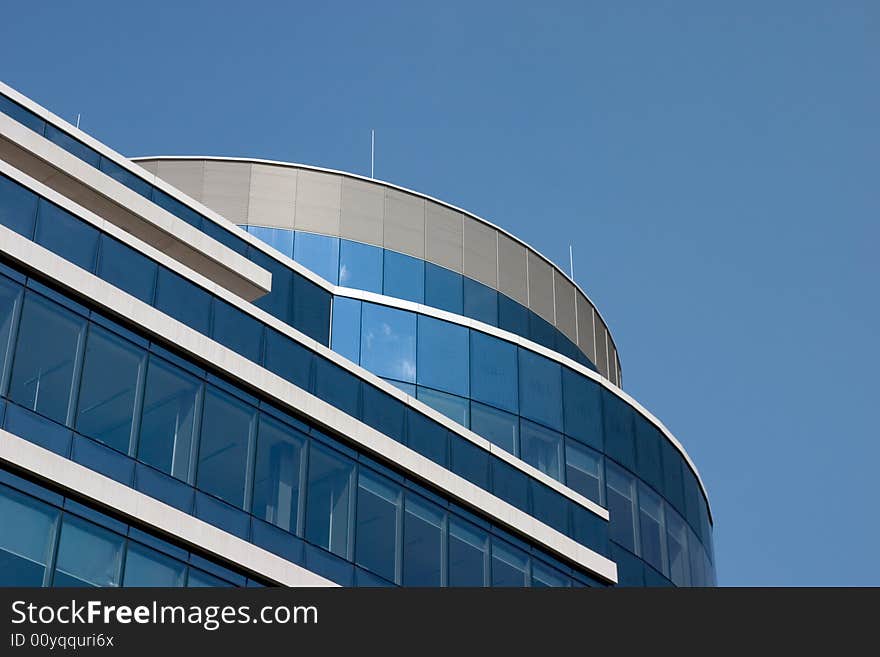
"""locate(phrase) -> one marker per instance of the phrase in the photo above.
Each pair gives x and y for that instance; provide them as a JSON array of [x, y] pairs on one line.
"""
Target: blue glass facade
[[107, 396]]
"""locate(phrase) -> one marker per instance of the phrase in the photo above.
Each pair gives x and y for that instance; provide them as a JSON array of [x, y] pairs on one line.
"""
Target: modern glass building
[[230, 372]]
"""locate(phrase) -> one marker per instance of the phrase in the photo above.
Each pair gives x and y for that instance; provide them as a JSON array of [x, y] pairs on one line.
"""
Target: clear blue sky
[[715, 165]]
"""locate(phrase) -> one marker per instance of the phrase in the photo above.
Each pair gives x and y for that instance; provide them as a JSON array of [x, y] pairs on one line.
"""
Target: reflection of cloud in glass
[[344, 274], [408, 369]]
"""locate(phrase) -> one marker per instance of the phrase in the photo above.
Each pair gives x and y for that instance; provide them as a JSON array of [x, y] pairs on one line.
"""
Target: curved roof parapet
[[353, 207]]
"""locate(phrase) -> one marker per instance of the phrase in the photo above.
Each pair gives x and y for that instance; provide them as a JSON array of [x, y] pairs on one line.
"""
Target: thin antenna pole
[[77, 120], [372, 151], [571, 261]]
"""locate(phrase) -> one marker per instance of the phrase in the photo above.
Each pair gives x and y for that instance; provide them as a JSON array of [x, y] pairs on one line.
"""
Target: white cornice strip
[[133, 504]]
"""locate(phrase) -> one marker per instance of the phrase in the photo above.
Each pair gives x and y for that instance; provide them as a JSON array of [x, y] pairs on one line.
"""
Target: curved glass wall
[[557, 420], [61, 542]]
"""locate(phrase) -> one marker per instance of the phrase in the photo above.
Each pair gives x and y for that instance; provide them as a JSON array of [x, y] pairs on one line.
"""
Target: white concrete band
[[128, 502]]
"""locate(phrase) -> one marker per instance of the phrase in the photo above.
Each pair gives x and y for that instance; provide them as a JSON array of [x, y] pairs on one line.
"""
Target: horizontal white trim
[[149, 511], [286, 329], [286, 394], [172, 233]]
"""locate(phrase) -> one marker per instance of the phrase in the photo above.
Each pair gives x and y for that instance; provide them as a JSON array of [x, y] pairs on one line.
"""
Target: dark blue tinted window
[[10, 302], [619, 429], [378, 524], [513, 316], [541, 331], [225, 237], [88, 555], [127, 269], [468, 554], [443, 288], [134, 182], [673, 487], [178, 209], [443, 356], [24, 552], [18, 207], [168, 420], [422, 543], [43, 369], [589, 529], [227, 428], [280, 239], [480, 302], [549, 507], [540, 389], [25, 117], [62, 233], [648, 444], [360, 266], [620, 496], [346, 333], [328, 499], [541, 448], [311, 310], [72, 145], [469, 461], [147, 567], [510, 566], [404, 277], [278, 301], [426, 437], [494, 372], [338, 387], [510, 484], [111, 373], [384, 413], [388, 342], [237, 330], [454, 407], [289, 359], [496, 426], [583, 470], [277, 473], [183, 300], [582, 402], [319, 253]]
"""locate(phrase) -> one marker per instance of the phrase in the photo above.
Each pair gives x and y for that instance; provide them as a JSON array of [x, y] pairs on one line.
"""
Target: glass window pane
[[443, 356], [183, 300], [540, 389], [111, 371], [328, 499], [541, 331], [10, 304], [541, 448], [237, 330], [378, 511], [652, 529], [544, 576], [147, 567], [384, 413], [404, 277], [676, 536], [42, 371], [279, 301], [62, 233], [127, 269], [88, 555], [512, 316], [227, 427], [72, 145], [22, 115], [469, 461], [455, 408], [443, 288], [496, 426], [26, 539], [695, 552], [360, 266], [277, 473], [134, 182], [673, 486], [346, 333], [620, 495], [480, 302], [171, 401], [311, 309], [177, 208], [280, 239], [510, 484], [648, 464], [18, 207], [338, 387], [426, 437], [468, 551], [319, 253], [509, 565], [582, 401], [289, 359], [423, 543], [388, 342], [200, 579], [494, 372], [617, 418], [549, 507], [583, 470]]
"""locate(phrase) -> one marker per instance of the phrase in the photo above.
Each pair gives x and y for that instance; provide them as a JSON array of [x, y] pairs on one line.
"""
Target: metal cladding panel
[[541, 288], [404, 229], [480, 254], [601, 348], [272, 196], [186, 175], [318, 197], [152, 166], [512, 271], [443, 236], [227, 188], [586, 334], [612, 374], [363, 211], [565, 308]]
